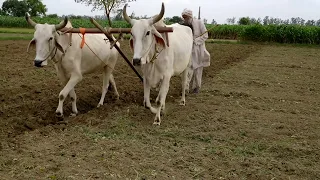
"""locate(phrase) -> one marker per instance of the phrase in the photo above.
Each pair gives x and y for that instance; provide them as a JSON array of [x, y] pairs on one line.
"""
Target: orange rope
[[102, 60], [82, 31]]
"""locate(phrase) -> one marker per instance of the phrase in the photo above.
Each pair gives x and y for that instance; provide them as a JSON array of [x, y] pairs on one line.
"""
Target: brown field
[[257, 117]]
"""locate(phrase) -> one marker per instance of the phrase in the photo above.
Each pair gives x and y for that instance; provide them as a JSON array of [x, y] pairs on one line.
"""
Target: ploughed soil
[[257, 117]]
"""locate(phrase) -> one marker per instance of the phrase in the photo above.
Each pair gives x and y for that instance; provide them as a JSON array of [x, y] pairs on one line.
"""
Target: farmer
[[200, 56]]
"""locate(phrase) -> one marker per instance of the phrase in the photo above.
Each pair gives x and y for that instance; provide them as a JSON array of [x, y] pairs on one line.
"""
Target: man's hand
[[197, 42]]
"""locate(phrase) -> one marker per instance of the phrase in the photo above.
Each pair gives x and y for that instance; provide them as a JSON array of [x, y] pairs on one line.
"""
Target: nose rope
[[148, 50], [49, 54]]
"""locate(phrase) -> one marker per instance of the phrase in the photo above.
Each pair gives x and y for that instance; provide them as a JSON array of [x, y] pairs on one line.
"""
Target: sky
[[219, 10]]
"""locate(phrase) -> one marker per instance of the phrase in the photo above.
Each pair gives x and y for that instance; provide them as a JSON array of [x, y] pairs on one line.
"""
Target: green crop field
[[296, 34]]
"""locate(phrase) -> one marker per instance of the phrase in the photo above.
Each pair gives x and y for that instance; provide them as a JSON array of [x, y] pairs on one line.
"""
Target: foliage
[[296, 34], [224, 31], [284, 33], [20, 22], [244, 21], [214, 22], [52, 16], [174, 19], [14, 8], [231, 20], [19, 8], [36, 7], [108, 5]]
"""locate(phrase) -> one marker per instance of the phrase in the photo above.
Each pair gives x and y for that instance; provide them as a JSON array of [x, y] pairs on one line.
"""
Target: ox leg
[[162, 98], [184, 80], [106, 76], [146, 100], [74, 79], [73, 97], [113, 83], [189, 78]]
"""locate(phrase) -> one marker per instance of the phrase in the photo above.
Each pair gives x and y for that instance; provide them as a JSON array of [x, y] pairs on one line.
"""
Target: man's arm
[[200, 40]]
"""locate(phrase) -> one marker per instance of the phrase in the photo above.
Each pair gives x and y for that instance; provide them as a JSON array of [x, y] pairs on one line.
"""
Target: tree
[[19, 8], [14, 8], [311, 23], [175, 19], [214, 22], [255, 21], [266, 20], [118, 17], [231, 20], [36, 7], [110, 6], [52, 15], [2, 13], [205, 21], [244, 21]]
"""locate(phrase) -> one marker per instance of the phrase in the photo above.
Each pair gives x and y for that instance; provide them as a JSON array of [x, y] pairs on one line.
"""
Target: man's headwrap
[[187, 12]]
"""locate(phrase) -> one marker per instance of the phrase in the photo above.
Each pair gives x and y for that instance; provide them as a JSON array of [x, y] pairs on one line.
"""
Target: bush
[[20, 22], [267, 33]]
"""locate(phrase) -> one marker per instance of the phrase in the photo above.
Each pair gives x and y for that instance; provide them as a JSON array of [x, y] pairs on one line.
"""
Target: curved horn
[[62, 24], [159, 17], [125, 15], [29, 20]]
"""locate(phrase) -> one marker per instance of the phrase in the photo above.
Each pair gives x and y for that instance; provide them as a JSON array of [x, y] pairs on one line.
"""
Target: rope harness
[[83, 42], [49, 54]]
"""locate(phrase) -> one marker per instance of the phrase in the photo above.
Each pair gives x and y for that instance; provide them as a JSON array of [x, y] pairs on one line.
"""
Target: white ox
[[72, 61], [171, 61]]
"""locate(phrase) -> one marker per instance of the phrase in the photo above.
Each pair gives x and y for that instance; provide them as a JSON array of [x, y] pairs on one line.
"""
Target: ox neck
[[152, 51]]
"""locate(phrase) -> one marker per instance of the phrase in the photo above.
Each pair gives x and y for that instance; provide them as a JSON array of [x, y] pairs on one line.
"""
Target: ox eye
[[148, 33], [50, 38]]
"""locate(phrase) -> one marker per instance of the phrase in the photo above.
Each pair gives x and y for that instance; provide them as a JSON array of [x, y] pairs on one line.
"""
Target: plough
[[110, 31]]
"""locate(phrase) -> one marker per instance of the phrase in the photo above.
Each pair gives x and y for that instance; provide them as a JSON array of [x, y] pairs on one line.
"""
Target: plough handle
[[116, 46]]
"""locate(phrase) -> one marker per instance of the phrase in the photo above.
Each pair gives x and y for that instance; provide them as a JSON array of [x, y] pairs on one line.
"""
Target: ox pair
[[72, 62]]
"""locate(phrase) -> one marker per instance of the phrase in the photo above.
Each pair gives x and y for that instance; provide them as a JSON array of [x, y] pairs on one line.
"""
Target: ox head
[[144, 36], [45, 40]]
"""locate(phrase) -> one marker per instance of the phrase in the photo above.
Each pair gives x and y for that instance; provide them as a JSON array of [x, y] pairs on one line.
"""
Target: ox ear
[[31, 43], [159, 38], [57, 43], [59, 46]]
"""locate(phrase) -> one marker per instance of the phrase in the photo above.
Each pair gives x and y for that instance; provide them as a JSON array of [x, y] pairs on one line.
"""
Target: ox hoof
[[157, 123], [73, 115], [182, 103], [99, 105], [59, 115]]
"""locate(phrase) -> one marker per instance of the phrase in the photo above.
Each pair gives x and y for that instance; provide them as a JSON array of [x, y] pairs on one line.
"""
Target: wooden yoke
[[113, 30]]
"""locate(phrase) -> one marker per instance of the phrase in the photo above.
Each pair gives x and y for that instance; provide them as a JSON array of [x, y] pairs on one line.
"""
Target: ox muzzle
[[137, 61], [39, 63]]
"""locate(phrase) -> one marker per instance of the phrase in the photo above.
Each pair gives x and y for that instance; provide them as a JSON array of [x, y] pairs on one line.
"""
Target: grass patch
[[17, 30], [3, 38]]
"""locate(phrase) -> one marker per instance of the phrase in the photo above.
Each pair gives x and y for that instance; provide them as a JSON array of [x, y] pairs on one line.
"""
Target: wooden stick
[[114, 30], [115, 45]]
